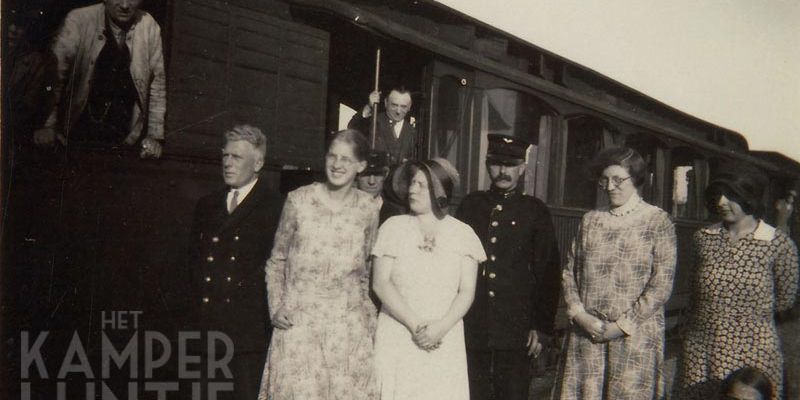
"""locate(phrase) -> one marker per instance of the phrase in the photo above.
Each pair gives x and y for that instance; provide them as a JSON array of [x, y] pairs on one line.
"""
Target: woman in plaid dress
[[617, 278]]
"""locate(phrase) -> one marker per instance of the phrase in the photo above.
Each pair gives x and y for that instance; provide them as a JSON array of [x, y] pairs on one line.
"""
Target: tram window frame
[[540, 130], [697, 180], [460, 156], [608, 135], [654, 152]]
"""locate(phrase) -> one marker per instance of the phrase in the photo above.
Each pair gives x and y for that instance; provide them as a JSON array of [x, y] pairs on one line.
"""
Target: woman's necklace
[[617, 213], [428, 231]]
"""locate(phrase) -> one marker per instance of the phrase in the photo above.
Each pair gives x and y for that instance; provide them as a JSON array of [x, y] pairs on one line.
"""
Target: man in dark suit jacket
[[518, 286], [231, 238], [396, 132]]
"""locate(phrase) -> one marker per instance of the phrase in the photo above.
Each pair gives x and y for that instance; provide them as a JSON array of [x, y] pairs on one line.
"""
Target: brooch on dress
[[428, 243]]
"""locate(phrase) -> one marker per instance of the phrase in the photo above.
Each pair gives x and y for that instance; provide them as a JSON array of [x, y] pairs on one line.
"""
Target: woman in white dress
[[424, 274]]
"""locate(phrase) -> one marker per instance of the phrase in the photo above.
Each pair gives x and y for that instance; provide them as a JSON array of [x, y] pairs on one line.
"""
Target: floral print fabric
[[620, 269], [736, 290], [318, 273]]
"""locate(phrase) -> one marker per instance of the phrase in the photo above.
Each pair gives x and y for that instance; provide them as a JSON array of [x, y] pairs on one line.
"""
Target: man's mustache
[[503, 177]]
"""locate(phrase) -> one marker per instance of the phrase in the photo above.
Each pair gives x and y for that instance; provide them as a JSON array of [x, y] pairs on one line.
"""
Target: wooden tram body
[[290, 66]]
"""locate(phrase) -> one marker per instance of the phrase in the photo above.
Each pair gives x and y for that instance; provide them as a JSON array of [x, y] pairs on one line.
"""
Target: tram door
[[450, 117]]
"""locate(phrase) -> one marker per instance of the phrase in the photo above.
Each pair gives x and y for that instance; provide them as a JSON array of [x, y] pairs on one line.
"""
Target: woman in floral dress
[[318, 286], [617, 278], [745, 271]]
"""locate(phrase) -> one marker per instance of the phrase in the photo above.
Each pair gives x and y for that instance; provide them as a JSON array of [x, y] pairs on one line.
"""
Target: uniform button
[[215, 239], [492, 275], [210, 258], [228, 279], [227, 300], [491, 293], [492, 257], [205, 300], [236, 238], [233, 258], [494, 223], [513, 222], [208, 279], [493, 239], [499, 207]]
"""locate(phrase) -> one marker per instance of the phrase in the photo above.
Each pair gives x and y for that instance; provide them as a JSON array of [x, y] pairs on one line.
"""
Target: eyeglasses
[[603, 183], [333, 158]]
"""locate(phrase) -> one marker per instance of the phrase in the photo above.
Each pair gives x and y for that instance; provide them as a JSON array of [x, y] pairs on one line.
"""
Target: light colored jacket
[[77, 46]]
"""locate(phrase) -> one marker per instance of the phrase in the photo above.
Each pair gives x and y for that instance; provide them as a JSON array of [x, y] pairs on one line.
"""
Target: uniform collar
[[499, 194], [763, 231]]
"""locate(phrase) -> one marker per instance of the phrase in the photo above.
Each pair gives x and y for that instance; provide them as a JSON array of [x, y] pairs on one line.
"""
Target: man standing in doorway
[[231, 238], [518, 286], [396, 131], [111, 86]]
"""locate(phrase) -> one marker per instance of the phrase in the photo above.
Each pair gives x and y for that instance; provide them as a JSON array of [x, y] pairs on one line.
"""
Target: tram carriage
[[296, 67], [292, 67]]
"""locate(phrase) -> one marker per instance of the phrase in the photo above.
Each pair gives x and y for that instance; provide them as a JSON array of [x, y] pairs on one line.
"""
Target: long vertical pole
[[375, 105]]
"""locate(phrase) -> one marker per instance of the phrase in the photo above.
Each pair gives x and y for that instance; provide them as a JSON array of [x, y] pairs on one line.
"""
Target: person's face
[[240, 163], [617, 182], [397, 105], [419, 196], [740, 391], [122, 11], [729, 210], [341, 165], [791, 196], [371, 183], [505, 177]]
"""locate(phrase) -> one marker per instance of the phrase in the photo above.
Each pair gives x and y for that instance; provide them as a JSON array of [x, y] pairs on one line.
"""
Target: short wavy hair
[[625, 157], [355, 139], [249, 134]]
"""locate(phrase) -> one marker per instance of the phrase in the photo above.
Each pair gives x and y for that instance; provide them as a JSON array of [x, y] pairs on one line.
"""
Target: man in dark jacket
[[396, 131], [231, 238], [517, 293]]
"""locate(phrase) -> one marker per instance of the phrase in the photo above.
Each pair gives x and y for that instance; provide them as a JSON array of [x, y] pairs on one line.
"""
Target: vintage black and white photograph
[[399, 200]]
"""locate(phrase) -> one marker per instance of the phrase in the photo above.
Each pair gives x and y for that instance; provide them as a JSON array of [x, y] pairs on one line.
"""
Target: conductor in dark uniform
[[395, 131], [231, 238], [518, 286]]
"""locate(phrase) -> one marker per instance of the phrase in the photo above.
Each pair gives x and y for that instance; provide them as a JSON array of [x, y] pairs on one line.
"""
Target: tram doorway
[[351, 73]]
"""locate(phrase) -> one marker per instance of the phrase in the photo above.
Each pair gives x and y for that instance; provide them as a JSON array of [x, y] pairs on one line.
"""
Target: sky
[[734, 63]]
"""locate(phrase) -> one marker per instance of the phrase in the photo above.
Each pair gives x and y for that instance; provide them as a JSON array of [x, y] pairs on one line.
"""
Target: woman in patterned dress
[[617, 278], [425, 272], [745, 271], [318, 286]]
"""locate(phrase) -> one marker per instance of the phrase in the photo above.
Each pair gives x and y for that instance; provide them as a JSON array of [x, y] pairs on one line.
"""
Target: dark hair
[[355, 139], [740, 184], [749, 376], [625, 157]]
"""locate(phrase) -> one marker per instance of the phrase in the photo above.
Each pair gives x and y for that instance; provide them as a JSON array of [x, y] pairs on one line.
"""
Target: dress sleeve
[[386, 244], [658, 288], [276, 268], [569, 275], [471, 246], [785, 273]]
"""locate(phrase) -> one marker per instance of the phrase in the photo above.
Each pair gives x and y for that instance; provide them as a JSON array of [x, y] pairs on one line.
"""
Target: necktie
[[234, 202]]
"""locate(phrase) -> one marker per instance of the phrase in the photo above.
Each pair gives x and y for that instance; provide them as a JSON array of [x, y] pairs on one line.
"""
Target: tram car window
[[519, 114], [586, 136], [690, 174], [654, 152]]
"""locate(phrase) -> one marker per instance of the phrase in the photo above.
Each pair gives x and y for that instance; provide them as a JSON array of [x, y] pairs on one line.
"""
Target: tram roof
[[436, 27]]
